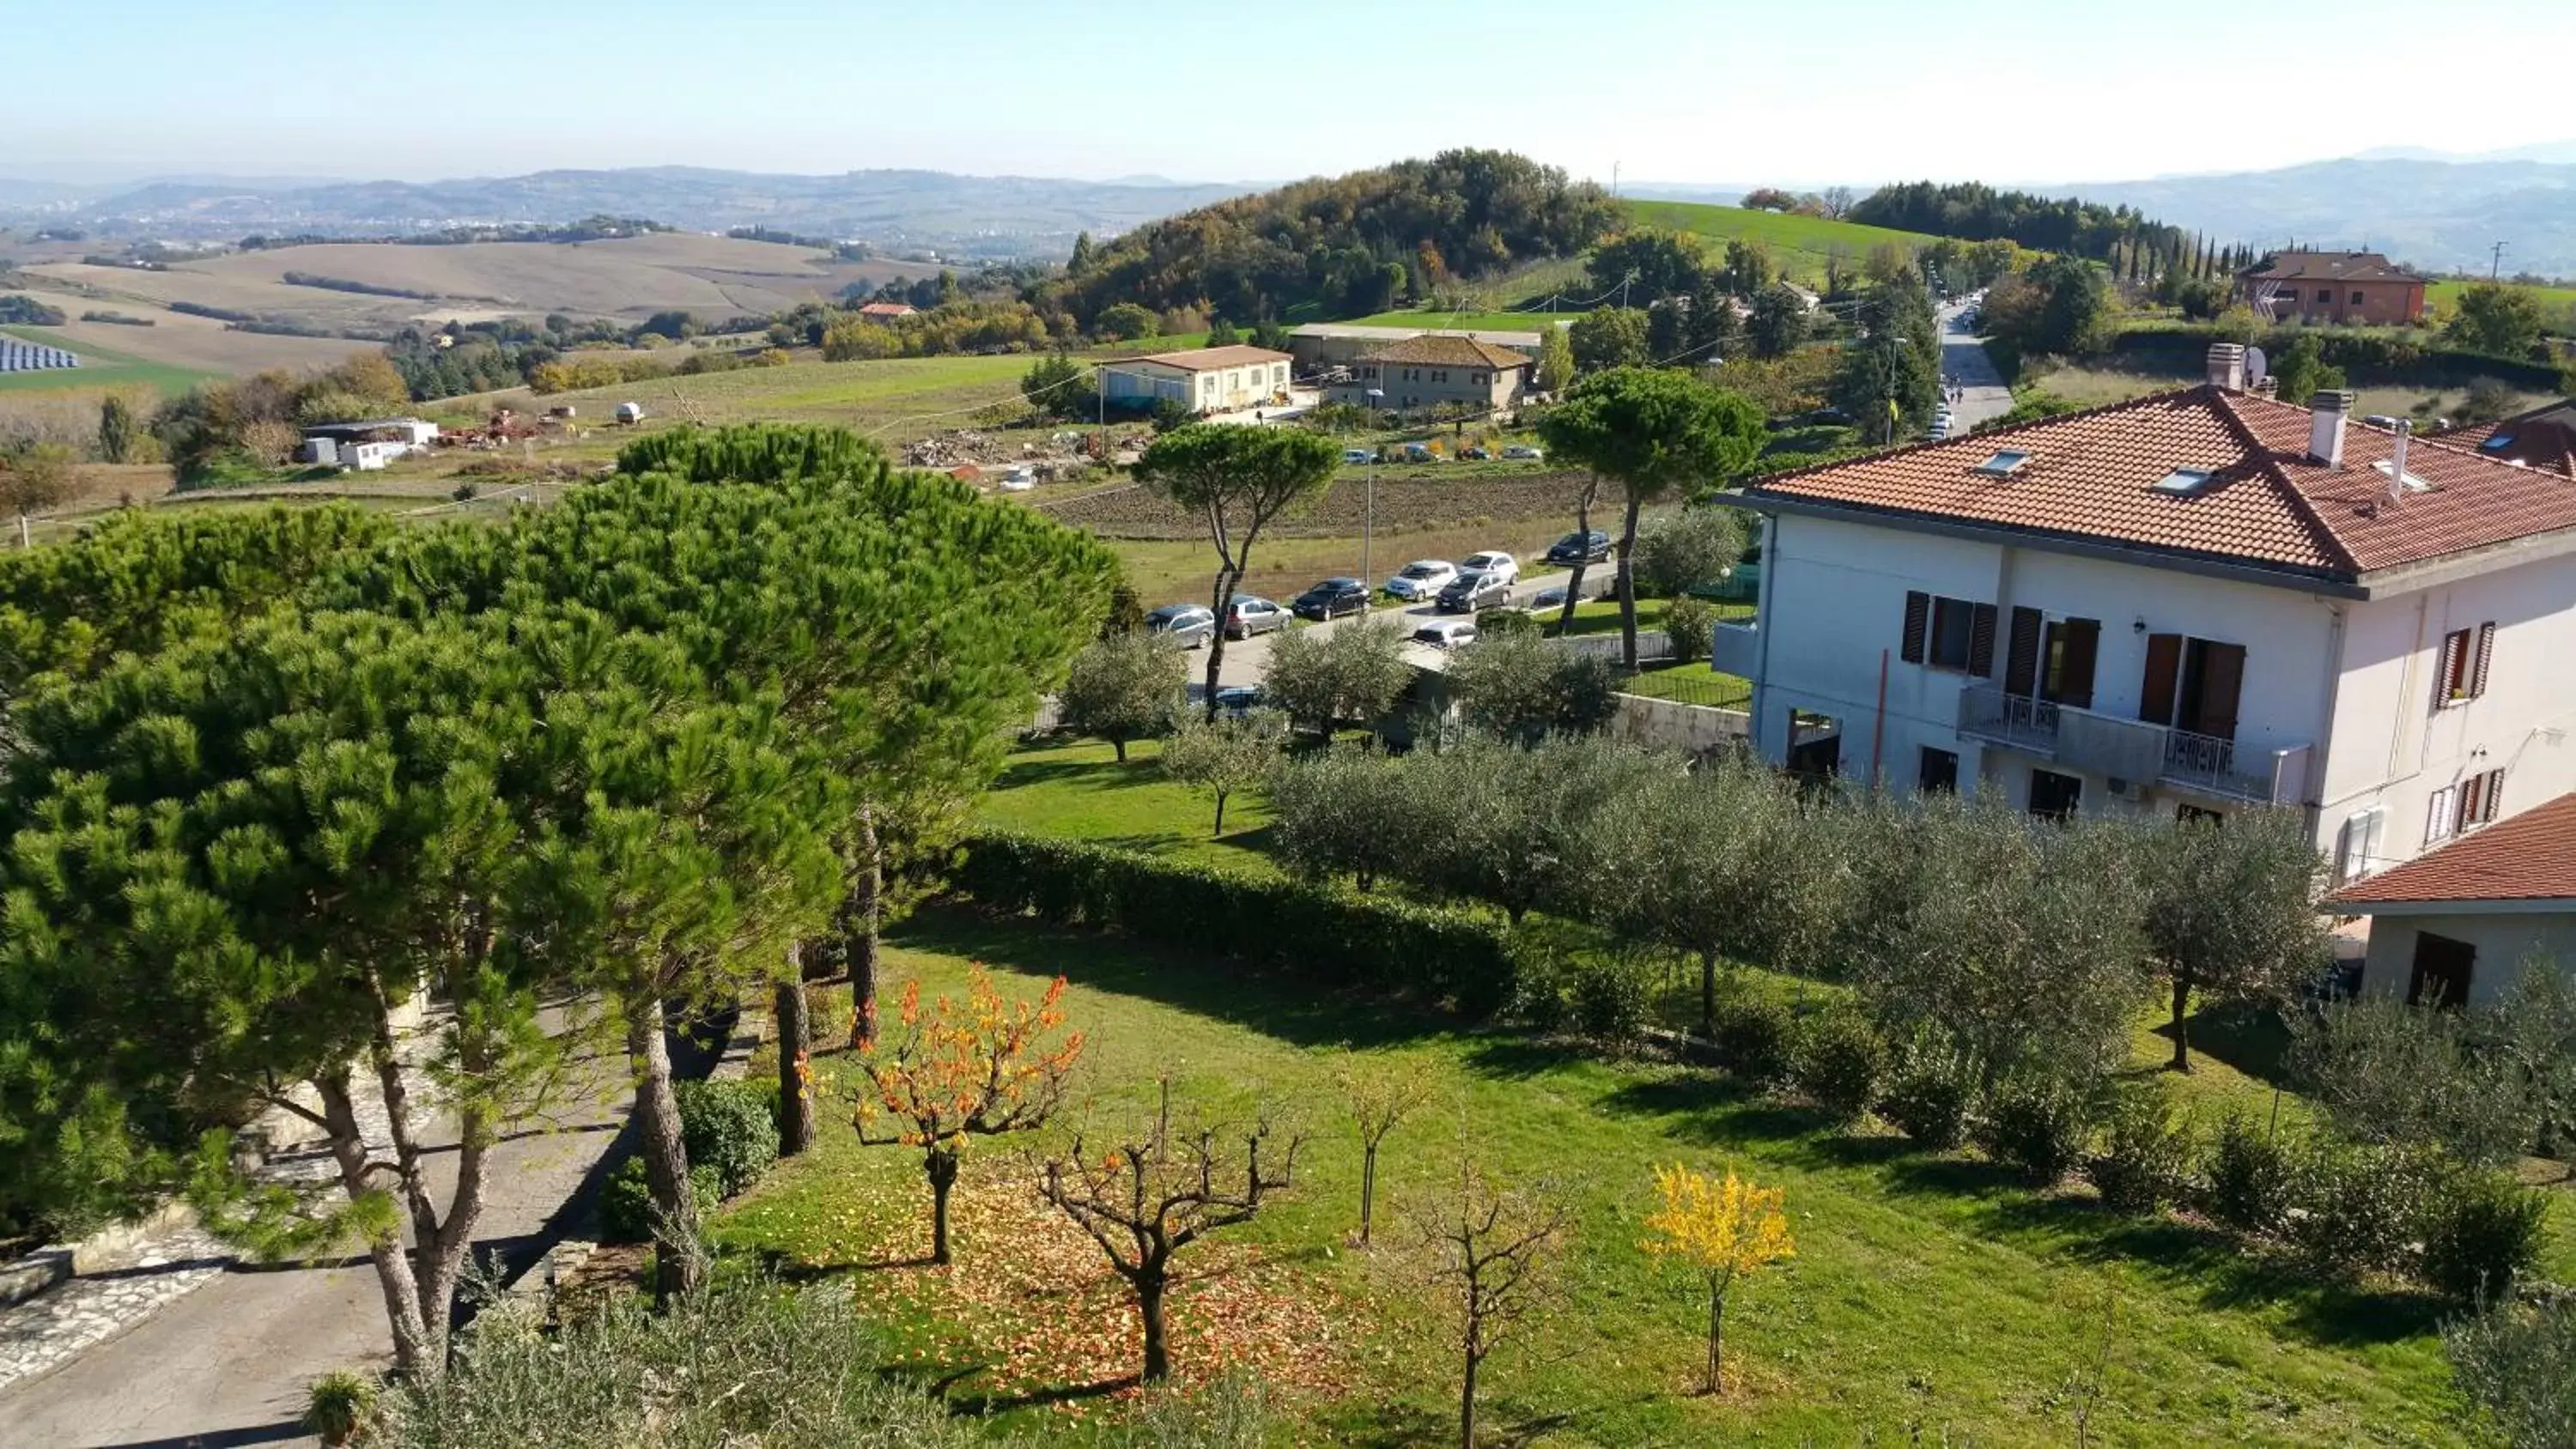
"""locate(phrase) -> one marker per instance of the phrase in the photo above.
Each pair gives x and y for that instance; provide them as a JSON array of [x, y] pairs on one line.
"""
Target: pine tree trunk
[[415, 1356], [1628, 584], [859, 917], [666, 1157], [1227, 581], [940, 1165], [1582, 561], [1149, 1307], [795, 1058], [2181, 1030]]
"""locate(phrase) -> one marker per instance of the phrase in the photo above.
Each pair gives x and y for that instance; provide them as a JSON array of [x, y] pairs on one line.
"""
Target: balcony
[[2128, 749]]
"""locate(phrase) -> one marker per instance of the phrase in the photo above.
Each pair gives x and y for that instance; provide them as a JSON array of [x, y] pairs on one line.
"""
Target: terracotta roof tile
[[2091, 476], [2530, 856], [2329, 267], [1208, 359], [1438, 351]]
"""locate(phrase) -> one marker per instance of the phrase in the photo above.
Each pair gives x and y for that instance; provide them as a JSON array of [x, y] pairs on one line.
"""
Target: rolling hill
[[1800, 245]]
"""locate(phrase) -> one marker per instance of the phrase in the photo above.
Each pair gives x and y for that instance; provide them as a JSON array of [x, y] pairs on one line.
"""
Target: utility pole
[[2495, 265]]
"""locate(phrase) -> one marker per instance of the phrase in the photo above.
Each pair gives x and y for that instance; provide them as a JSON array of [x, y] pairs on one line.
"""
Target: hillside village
[[1432, 805]]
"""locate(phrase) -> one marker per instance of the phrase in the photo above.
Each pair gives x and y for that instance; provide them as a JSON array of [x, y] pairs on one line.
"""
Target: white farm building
[[1208, 380]]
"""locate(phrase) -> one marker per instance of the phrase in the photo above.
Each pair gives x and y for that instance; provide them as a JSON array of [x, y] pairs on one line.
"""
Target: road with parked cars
[[1976, 391]]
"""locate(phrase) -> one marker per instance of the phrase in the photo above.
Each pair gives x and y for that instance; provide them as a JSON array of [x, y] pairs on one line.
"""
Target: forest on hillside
[[1974, 211]]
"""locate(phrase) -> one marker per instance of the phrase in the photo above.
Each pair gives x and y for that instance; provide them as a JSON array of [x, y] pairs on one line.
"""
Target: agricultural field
[[199, 346], [1464, 321], [894, 400], [1800, 245], [102, 368], [2558, 303]]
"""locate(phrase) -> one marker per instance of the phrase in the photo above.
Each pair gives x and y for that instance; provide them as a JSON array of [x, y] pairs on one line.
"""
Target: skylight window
[[2498, 443], [2004, 461], [2414, 484], [2185, 481]]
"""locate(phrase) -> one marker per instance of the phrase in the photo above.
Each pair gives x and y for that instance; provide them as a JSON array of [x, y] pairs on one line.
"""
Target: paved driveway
[[1246, 658], [1963, 357]]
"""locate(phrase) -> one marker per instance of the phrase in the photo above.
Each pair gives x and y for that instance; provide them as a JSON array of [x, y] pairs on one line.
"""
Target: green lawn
[[1081, 791], [1693, 684], [100, 367], [1932, 1300], [1465, 321], [2443, 297], [1799, 245]]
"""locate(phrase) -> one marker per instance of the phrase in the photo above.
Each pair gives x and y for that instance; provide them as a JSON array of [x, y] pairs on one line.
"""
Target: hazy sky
[[1671, 90]]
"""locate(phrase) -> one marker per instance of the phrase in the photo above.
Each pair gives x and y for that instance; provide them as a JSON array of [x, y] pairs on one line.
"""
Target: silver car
[[1421, 581]]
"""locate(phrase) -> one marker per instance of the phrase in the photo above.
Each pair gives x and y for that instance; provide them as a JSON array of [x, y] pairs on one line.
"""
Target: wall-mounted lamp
[[2139, 627]]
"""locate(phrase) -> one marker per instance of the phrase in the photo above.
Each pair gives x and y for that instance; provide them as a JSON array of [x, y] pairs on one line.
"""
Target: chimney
[[2227, 366], [2397, 461], [2327, 412], [2266, 386]]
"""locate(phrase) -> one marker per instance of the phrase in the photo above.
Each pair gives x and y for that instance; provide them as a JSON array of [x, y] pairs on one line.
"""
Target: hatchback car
[[1237, 700], [1331, 599], [1446, 633], [1188, 625], [1469, 592], [1523, 452], [1358, 455], [1492, 561], [1421, 581], [1584, 548], [1250, 614]]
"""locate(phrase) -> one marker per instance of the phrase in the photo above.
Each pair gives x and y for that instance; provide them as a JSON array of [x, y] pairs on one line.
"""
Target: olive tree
[[1122, 688], [1520, 687], [1690, 550], [2231, 912], [1354, 674], [1237, 480], [1224, 758]]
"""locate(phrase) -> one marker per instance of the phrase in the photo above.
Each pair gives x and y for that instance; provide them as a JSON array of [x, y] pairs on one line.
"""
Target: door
[[2213, 680], [2066, 663], [2442, 970], [2054, 796]]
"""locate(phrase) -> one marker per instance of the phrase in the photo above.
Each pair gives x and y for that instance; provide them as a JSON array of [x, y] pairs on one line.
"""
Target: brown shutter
[[2222, 683], [2452, 643], [2486, 653], [2495, 794], [1918, 617], [2082, 642], [1981, 641], [2021, 657], [2156, 691]]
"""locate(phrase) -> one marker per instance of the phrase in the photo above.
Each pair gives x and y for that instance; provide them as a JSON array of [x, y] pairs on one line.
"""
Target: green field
[[1933, 1298], [100, 367], [2443, 296], [1464, 321], [1800, 245]]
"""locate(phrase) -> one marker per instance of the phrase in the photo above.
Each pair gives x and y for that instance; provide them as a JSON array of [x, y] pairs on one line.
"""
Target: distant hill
[[971, 216], [2442, 215]]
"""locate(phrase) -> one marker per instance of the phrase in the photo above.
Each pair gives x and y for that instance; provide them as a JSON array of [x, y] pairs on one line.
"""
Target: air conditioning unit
[[2126, 789]]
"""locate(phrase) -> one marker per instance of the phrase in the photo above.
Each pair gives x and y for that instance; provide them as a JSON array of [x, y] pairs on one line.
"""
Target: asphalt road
[[1963, 357], [1246, 658], [228, 1364]]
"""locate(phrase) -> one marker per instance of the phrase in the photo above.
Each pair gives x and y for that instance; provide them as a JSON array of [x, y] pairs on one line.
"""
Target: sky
[[1670, 91]]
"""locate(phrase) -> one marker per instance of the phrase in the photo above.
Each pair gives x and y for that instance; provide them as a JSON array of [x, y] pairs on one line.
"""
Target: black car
[[1583, 548], [1469, 592], [1331, 599]]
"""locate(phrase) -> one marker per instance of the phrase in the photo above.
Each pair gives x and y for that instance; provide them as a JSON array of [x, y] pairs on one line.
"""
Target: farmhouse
[[1428, 371], [2186, 603], [2544, 437], [1208, 380], [882, 313], [2458, 926], [410, 432], [1320, 345], [2360, 287]]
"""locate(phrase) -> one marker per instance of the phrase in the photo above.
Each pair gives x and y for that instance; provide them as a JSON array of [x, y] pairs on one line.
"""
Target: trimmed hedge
[[1332, 935], [2371, 357]]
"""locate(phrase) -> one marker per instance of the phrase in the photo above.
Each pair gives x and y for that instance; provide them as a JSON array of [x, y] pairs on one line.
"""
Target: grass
[[2443, 297], [1081, 791], [1693, 684], [101, 367], [1931, 1297], [1464, 321], [1800, 245], [2088, 386]]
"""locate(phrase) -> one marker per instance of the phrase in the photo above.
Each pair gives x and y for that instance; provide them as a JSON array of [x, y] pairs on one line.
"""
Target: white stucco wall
[[2507, 945]]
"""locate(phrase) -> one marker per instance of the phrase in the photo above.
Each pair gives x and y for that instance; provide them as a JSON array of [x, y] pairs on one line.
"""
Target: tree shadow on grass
[[2252, 1039], [981, 1405], [1101, 774], [1272, 1001]]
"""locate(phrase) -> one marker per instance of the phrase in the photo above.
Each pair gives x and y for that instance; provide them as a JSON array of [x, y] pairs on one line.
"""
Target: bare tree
[[1144, 1201], [1490, 1251], [1380, 1095]]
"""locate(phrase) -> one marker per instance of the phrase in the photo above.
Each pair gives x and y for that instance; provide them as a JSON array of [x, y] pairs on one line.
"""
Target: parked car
[[1187, 625], [1250, 614], [1469, 592], [1523, 452], [1420, 453], [1446, 633], [1358, 455], [1421, 581], [1583, 548], [1548, 598], [1330, 599], [1492, 561], [1473, 453], [2381, 420], [1238, 700]]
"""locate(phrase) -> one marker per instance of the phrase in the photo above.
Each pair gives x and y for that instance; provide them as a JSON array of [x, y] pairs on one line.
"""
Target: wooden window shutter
[[1981, 641], [2450, 667], [2222, 686], [2437, 814], [1918, 618], [2156, 690], [2021, 656], [2486, 653]]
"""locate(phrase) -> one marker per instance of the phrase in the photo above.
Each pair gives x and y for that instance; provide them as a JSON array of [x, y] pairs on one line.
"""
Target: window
[[2054, 796], [2478, 797], [2442, 970], [2325, 294], [2356, 299], [2357, 844], [1480, 379], [2441, 814], [1939, 774], [2184, 481], [2004, 461], [2463, 672], [1949, 634], [1440, 375]]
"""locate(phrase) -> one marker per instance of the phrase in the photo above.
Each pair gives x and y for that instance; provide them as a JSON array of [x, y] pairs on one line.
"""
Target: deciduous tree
[[1692, 549], [2495, 318], [1521, 687], [1725, 1231], [1490, 1254], [1237, 480], [1777, 322], [1225, 757], [1380, 1095], [1555, 358], [1608, 337], [957, 1070]]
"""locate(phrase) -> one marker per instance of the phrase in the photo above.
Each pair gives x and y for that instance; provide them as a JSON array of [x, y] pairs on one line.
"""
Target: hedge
[[2369, 356], [1330, 934]]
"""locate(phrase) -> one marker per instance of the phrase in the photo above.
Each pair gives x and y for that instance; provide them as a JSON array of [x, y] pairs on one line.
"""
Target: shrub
[[1754, 1039], [1840, 1058], [2518, 1364], [1612, 995], [2041, 1124], [1494, 623], [2253, 1178], [2146, 1156], [730, 1128], [1690, 623], [2481, 1233], [1340, 938], [2362, 1207], [1929, 1091], [338, 1405], [626, 1200]]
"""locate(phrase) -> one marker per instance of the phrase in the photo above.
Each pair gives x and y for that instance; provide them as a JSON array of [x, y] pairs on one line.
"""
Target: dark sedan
[[1583, 548], [1331, 599], [1469, 592]]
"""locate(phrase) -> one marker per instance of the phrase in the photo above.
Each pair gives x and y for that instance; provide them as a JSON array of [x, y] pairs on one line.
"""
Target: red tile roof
[[2544, 437], [1440, 351], [1208, 359], [2329, 267], [2091, 477], [2526, 857]]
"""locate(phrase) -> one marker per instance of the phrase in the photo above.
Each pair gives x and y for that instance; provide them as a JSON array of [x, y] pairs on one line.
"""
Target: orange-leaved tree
[[1724, 1230], [959, 1069]]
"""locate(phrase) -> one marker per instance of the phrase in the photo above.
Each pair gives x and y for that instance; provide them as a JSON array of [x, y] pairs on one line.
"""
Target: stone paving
[[111, 1296]]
